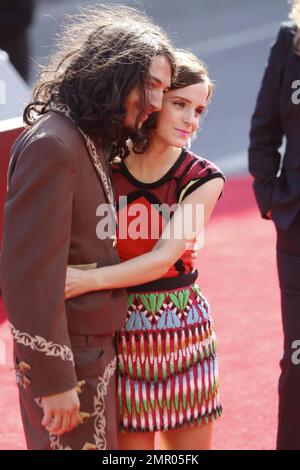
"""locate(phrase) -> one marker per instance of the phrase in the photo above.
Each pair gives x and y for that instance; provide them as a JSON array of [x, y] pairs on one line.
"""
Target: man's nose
[[156, 99]]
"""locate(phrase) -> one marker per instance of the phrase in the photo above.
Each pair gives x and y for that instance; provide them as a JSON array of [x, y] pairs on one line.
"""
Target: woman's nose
[[190, 119]]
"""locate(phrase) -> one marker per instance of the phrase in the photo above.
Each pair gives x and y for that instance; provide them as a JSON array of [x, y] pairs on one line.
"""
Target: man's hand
[[61, 412]]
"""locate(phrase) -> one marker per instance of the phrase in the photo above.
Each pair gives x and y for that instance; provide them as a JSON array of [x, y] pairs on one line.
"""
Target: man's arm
[[37, 226], [266, 127]]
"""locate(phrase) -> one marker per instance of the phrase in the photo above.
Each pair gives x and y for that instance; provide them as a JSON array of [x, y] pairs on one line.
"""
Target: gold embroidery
[[79, 387], [89, 446], [21, 378], [83, 417], [26, 381], [23, 367]]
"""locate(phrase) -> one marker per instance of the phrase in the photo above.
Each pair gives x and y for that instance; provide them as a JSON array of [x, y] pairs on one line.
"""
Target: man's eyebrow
[[157, 80]]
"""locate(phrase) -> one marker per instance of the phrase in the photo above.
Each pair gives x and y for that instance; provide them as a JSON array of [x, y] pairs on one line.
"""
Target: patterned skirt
[[168, 371]]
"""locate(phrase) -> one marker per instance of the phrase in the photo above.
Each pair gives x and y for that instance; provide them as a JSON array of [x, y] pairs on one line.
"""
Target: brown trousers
[[95, 364]]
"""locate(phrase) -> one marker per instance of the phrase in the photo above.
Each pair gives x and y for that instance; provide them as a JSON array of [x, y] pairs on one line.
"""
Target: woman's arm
[[191, 215]]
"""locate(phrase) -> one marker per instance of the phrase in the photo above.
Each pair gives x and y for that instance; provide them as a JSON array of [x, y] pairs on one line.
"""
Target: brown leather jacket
[[50, 221]]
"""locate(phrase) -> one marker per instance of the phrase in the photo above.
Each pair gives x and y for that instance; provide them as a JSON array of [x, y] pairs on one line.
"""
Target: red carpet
[[237, 273]]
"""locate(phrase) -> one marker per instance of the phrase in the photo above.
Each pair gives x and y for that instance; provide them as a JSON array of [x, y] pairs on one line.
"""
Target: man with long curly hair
[[109, 74], [277, 190]]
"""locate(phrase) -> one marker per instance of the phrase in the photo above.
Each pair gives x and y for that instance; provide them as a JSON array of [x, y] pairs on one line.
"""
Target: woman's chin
[[172, 142], [179, 143]]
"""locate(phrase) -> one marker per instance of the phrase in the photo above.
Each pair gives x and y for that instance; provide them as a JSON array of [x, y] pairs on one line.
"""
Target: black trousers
[[288, 262]]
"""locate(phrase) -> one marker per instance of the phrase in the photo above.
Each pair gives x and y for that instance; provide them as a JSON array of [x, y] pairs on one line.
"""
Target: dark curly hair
[[102, 54]]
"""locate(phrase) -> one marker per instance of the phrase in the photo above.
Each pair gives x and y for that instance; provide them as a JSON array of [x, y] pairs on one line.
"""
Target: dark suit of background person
[[277, 115], [15, 17]]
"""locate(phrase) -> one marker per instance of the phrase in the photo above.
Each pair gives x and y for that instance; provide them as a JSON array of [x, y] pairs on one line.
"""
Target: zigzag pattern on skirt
[[168, 372]]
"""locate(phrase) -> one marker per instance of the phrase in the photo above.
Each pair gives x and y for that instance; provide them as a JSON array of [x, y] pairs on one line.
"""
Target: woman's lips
[[183, 133]]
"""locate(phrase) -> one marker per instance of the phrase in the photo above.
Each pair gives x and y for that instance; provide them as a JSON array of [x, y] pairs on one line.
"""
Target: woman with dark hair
[[111, 70], [277, 190], [167, 364]]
